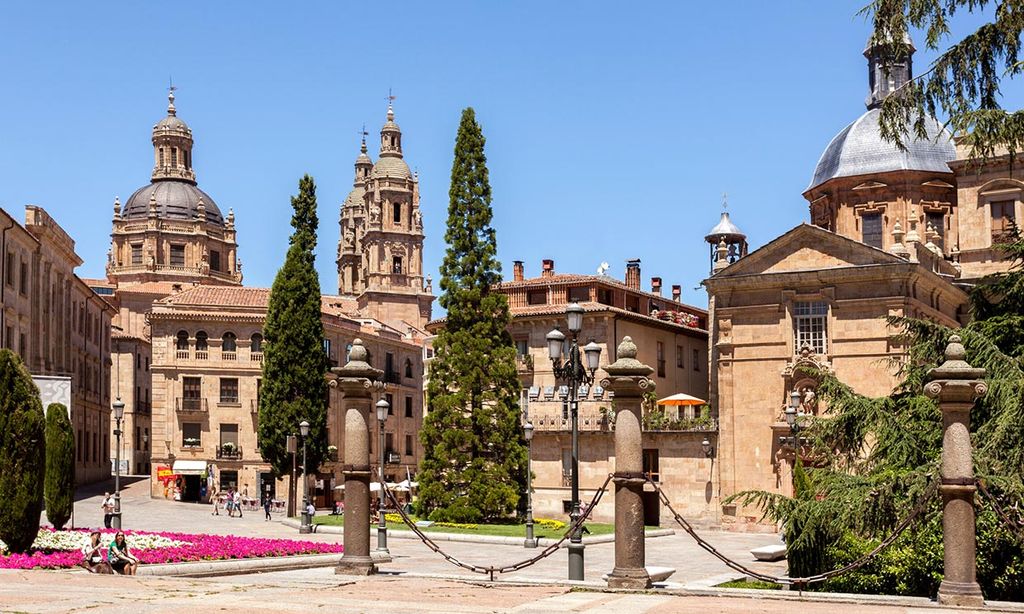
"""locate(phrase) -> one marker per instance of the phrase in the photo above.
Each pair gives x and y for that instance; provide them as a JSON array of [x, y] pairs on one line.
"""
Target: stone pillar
[[627, 379], [956, 385], [355, 380]]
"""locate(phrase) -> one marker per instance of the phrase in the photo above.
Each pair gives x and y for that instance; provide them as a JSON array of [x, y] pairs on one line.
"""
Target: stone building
[[671, 337], [380, 252], [207, 361], [59, 327], [893, 233]]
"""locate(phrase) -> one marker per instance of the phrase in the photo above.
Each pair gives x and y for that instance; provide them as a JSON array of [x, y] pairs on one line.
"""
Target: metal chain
[[798, 582], [490, 569], [1017, 528]]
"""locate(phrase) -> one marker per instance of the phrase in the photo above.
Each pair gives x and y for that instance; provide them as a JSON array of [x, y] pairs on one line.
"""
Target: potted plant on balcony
[[332, 453], [228, 449], [191, 442]]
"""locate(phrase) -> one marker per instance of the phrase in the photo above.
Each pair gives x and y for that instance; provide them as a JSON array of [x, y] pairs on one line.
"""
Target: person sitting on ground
[[120, 557], [92, 555]]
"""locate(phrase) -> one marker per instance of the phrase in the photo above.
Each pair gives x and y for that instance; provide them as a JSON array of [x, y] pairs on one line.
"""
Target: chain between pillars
[[798, 582], [490, 569], [1017, 528]]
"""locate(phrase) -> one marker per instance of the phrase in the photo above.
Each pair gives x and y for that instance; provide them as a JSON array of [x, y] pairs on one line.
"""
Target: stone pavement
[[694, 567], [53, 591]]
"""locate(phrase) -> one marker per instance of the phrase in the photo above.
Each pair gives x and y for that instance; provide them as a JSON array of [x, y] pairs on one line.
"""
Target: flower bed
[[62, 549]]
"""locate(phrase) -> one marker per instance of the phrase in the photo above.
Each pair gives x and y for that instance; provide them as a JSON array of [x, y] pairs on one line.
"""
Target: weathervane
[[725, 201]]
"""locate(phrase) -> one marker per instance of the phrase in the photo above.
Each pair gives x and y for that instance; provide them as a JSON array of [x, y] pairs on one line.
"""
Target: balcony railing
[[229, 355], [181, 354], [202, 355], [392, 377], [524, 363], [229, 453], [256, 356], [188, 405]]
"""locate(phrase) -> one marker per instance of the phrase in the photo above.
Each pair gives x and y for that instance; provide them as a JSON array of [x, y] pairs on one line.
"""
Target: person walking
[[215, 499], [266, 507], [238, 503], [108, 509]]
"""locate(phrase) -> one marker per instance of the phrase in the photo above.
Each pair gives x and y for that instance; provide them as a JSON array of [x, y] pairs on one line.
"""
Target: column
[[355, 380], [627, 379], [956, 385]]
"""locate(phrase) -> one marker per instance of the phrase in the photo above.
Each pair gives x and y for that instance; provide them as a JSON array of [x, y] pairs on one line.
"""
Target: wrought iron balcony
[[392, 377], [188, 405], [229, 453]]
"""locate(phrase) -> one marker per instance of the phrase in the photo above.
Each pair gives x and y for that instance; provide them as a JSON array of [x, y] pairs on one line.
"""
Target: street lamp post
[[575, 373], [792, 416], [115, 520], [382, 522], [531, 541], [306, 526]]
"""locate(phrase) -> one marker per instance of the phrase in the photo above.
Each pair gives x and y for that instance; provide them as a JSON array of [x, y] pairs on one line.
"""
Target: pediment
[[808, 248], [868, 185], [937, 183]]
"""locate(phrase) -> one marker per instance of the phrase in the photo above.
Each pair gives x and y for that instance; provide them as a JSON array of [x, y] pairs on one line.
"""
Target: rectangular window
[[174, 156], [408, 407], [696, 360], [661, 359], [937, 220], [214, 260], [229, 434], [228, 480], [136, 253], [397, 213], [229, 390], [408, 445], [871, 229], [579, 294], [23, 283], [1002, 220], [389, 443], [191, 393], [391, 403], [78, 448], [177, 255], [537, 297], [396, 265], [651, 463], [191, 434], [810, 326], [522, 347], [10, 269], [679, 357], [604, 296], [633, 303], [138, 438]]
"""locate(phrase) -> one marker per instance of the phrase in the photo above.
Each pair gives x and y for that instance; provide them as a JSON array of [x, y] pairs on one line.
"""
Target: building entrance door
[[652, 509]]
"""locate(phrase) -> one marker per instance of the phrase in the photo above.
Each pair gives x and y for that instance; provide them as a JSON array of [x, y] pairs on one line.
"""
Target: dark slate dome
[[860, 150], [175, 200]]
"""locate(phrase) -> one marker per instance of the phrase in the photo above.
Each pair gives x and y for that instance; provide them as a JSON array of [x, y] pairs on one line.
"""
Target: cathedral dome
[[860, 150], [175, 200], [355, 197], [391, 167], [172, 122]]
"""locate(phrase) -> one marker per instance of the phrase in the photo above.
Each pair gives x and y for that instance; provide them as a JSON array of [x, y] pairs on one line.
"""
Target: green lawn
[[505, 530], [753, 584]]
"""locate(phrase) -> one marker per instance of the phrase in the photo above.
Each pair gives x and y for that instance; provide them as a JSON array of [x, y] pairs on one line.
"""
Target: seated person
[[92, 555], [120, 557]]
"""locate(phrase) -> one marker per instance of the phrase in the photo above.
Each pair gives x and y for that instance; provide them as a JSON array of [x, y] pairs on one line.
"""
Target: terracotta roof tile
[[221, 296], [575, 278], [150, 287]]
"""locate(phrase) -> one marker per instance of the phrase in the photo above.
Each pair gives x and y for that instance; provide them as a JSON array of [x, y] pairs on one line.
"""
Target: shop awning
[[189, 467]]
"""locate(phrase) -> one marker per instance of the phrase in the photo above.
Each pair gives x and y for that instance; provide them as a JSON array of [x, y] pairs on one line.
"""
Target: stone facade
[[380, 252], [207, 365], [58, 326]]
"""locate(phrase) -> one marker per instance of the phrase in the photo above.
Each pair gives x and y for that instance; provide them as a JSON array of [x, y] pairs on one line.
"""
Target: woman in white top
[[92, 555]]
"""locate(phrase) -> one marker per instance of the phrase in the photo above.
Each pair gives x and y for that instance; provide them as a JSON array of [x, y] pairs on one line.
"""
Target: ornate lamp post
[[531, 541], [709, 450], [118, 407], [574, 373], [793, 415], [305, 527], [382, 523]]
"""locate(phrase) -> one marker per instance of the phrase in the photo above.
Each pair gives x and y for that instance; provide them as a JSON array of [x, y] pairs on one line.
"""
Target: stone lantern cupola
[[889, 69], [728, 243], [172, 146]]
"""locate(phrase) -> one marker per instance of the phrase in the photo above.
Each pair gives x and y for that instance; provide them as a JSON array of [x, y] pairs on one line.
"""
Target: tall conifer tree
[[59, 490], [22, 454], [474, 466], [294, 387]]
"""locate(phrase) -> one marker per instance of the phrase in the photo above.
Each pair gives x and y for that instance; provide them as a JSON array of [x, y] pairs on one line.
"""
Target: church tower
[[380, 254]]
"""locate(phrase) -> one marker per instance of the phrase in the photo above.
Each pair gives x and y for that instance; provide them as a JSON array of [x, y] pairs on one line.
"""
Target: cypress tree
[[59, 490], [22, 454], [294, 386], [474, 466]]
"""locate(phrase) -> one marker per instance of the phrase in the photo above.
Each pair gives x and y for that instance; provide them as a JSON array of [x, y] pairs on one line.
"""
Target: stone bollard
[[956, 385], [356, 380], [627, 379]]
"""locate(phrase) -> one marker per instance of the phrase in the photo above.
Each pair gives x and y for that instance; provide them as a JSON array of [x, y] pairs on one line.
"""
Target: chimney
[[633, 274], [547, 268], [656, 285], [517, 270], [677, 292]]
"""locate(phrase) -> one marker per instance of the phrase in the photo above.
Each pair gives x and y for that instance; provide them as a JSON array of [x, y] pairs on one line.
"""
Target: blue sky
[[612, 128]]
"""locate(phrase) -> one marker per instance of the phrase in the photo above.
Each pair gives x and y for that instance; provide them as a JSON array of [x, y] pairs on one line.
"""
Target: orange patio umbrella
[[681, 399]]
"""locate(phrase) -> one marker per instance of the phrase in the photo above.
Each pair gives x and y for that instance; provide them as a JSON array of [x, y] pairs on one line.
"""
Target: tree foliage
[[877, 456], [59, 490], [474, 466], [22, 454], [963, 82], [294, 386]]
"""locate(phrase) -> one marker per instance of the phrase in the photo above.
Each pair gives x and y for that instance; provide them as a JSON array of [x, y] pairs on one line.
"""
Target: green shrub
[[59, 490], [22, 454]]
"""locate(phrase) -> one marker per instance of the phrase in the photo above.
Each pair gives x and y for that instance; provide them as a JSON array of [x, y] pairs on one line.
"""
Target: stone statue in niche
[[809, 400], [417, 219], [374, 213]]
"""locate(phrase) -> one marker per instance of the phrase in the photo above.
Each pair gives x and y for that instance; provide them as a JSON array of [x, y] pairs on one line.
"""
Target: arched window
[[256, 342], [229, 342], [182, 340], [408, 367], [202, 341]]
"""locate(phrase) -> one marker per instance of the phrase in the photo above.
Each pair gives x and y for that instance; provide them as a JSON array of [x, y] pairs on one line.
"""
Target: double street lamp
[[575, 373], [793, 416], [306, 526], [118, 407], [382, 523], [531, 541]]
